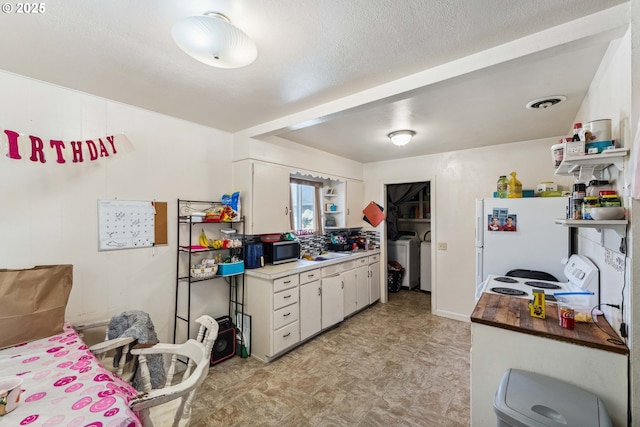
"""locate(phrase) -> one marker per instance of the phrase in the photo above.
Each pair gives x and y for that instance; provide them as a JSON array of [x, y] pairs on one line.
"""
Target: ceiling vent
[[546, 102]]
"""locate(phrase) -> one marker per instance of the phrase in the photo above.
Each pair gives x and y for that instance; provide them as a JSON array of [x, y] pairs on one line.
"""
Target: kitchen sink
[[330, 255]]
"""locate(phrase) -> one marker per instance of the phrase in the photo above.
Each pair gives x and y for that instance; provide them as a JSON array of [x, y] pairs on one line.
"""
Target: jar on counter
[[589, 203]]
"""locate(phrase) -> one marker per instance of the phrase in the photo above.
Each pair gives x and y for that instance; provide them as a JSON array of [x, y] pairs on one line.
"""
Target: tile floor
[[393, 364]]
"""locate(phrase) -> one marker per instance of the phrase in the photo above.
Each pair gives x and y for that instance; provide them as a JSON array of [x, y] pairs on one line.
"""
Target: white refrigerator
[[520, 234]]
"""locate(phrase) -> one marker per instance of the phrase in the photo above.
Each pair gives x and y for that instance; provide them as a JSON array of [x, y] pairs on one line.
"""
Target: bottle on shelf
[[578, 132], [502, 187]]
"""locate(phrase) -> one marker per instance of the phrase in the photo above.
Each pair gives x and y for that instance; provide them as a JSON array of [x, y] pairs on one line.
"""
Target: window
[[305, 214]]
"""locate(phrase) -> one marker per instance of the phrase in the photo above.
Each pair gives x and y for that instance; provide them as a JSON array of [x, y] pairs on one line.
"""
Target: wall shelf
[[414, 220], [618, 225], [592, 163]]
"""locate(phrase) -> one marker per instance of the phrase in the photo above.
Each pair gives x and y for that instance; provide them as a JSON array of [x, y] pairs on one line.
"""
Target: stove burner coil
[[509, 291], [542, 285], [505, 280]]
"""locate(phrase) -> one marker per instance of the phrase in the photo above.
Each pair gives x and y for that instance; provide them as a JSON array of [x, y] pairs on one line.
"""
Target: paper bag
[[33, 302]]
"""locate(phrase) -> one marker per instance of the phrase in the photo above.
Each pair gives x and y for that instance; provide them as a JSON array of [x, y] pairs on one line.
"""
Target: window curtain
[[397, 194]]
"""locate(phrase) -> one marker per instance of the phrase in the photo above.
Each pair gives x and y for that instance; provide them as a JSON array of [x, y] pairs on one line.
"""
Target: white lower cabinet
[[310, 309], [332, 300], [374, 278], [275, 310], [291, 309]]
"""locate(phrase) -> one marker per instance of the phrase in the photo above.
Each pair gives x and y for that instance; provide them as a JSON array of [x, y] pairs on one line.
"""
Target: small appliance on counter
[[281, 252], [254, 255]]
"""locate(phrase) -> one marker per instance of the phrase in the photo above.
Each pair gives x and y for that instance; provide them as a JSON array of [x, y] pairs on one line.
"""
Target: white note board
[[125, 224]]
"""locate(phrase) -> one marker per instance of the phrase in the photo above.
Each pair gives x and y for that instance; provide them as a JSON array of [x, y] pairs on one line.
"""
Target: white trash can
[[527, 399]]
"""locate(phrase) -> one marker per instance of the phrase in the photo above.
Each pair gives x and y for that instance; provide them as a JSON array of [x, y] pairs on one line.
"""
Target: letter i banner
[[38, 150]]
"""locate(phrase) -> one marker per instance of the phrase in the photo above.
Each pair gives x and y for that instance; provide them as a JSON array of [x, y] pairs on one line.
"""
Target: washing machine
[[406, 251]]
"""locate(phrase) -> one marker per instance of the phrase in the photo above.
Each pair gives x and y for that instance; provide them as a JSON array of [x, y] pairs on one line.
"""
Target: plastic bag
[[231, 208]]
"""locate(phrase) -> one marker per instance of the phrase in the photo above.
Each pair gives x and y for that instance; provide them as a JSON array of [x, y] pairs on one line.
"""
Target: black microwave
[[281, 252]]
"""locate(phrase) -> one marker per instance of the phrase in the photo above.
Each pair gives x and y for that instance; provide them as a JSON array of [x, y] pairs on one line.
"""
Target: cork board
[[160, 224]]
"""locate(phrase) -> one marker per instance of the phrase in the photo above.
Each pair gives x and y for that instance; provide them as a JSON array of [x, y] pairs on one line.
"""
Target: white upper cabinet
[[355, 204], [264, 191]]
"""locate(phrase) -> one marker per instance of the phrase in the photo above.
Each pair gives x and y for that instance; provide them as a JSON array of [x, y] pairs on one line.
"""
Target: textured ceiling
[[309, 53]]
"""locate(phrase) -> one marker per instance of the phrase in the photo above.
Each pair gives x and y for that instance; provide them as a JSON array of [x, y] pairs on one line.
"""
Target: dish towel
[[138, 325]]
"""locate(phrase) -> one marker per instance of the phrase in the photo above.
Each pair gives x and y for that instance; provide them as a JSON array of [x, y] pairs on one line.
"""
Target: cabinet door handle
[[348, 211], [286, 335], [342, 285], [287, 315], [287, 296], [287, 282], [311, 275], [319, 291], [286, 210]]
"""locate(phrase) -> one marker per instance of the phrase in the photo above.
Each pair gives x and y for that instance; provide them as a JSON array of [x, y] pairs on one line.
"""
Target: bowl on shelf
[[607, 213], [204, 272]]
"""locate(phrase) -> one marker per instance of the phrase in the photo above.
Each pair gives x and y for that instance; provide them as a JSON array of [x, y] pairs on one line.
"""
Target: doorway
[[417, 213]]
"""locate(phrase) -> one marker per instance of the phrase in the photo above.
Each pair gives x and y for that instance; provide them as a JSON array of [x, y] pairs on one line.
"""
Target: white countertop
[[271, 272]]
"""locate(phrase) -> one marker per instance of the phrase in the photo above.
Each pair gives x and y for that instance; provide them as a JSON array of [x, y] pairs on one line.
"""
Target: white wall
[[609, 97], [460, 177], [49, 212]]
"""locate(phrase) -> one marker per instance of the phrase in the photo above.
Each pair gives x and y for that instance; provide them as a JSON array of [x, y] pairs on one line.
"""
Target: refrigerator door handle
[[479, 223]]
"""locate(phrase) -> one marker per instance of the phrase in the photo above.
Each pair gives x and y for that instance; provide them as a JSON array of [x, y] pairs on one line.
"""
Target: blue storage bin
[[591, 147], [231, 268]]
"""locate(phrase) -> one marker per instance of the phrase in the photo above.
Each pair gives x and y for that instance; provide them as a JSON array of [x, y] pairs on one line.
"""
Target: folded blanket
[[138, 325]]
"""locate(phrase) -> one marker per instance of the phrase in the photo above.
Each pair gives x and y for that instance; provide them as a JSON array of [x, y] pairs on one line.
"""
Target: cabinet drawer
[[286, 337], [362, 261], [374, 258], [331, 270], [309, 276], [349, 265], [284, 298], [285, 315], [285, 283]]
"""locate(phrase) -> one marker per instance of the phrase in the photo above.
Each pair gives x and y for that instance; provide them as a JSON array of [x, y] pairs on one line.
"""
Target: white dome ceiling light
[[401, 137], [213, 40]]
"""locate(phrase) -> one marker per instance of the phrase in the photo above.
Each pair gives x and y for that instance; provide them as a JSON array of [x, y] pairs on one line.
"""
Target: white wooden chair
[[171, 405], [106, 351]]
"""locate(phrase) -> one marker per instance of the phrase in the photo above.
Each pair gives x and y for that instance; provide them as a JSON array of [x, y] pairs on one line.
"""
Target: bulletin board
[[126, 224]]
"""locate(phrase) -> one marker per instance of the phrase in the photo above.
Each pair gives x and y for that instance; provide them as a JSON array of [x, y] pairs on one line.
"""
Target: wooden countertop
[[512, 313]]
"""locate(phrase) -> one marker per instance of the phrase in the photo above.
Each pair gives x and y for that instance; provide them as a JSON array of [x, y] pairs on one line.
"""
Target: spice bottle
[[578, 133], [502, 187]]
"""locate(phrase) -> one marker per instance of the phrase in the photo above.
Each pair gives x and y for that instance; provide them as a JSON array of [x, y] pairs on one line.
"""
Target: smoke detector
[[546, 102]]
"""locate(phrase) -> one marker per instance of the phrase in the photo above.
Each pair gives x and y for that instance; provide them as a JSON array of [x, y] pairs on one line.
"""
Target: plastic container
[[230, 268], [589, 203], [557, 154], [596, 186], [596, 147], [600, 130], [502, 187], [514, 187], [610, 200], [528, 399]]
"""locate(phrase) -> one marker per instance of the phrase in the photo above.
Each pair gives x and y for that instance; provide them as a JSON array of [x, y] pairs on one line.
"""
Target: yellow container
[[537, 306], [514, 187]]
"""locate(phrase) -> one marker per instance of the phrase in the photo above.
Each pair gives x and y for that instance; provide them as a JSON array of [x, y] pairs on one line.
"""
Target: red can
[[567, 317]]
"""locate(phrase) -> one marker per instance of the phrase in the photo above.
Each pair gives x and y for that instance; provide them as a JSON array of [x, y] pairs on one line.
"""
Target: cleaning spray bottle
[[514, 187]]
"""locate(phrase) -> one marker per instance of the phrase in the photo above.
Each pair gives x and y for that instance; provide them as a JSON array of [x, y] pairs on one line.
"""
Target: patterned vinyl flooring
[[392, 364]]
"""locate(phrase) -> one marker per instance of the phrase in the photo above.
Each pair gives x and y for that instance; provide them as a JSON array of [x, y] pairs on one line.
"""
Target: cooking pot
[[254, 255]]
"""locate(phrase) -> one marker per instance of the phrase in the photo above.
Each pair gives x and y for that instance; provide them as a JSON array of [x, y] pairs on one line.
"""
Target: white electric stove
[[582, 274]]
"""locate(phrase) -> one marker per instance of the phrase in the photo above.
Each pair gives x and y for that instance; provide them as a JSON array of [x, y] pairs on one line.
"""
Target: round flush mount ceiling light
[[401, 137], [214, 40], [546, 102]]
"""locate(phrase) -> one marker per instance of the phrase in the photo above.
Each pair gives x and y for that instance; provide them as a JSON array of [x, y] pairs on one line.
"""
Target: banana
[[203, 240]]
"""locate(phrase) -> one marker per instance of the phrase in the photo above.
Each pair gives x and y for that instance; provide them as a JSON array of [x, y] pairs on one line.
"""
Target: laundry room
[[409, 236]]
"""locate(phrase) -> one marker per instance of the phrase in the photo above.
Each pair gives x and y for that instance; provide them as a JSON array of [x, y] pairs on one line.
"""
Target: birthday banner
[[39, 150]]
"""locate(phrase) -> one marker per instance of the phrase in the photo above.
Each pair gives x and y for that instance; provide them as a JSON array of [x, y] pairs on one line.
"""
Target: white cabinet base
[[494, 350]]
